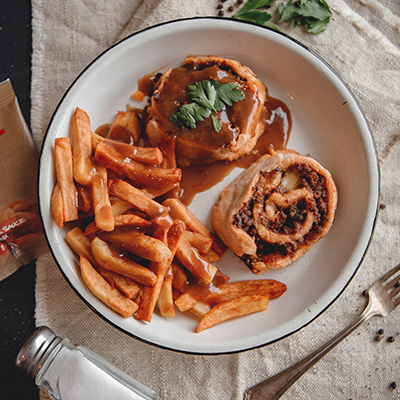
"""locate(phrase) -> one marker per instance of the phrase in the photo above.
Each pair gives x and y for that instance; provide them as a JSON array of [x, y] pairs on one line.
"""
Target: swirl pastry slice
[[242, 123], [275, 210]]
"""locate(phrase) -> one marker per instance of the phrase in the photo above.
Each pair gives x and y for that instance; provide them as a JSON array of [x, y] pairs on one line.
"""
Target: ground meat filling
[[287, 220]]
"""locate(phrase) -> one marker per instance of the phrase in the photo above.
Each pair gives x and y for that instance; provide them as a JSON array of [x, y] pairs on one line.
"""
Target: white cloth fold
[[362, 43]]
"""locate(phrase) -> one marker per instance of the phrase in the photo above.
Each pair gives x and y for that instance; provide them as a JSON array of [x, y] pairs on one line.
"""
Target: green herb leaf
[[250, 12], [228, 93], [204, 94], [316, 9], [254, 5], [287, 13], [207, 96], [217, 124], [316, 26], [189, 115], [314, 15]]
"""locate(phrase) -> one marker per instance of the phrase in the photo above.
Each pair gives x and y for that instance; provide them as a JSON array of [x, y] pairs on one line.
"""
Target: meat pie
[[242, 123], [274, 211]]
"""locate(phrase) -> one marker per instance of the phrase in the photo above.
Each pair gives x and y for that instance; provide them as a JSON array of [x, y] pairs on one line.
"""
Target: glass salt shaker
[[71, 372]]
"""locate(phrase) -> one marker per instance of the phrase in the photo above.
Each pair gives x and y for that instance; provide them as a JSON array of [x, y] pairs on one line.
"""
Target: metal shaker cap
[[36, 350]]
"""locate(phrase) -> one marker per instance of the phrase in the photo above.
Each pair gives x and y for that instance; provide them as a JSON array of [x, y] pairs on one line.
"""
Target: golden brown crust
[[276, 210]]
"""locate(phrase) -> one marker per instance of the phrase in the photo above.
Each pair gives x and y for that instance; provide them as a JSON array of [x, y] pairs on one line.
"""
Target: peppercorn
[[391, 339], [382, 206], [393, 385], [230, 9], [381, 331], [220, 13]]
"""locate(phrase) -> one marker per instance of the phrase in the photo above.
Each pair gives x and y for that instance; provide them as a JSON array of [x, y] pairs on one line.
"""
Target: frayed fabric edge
[[41, 312], [37, 86]]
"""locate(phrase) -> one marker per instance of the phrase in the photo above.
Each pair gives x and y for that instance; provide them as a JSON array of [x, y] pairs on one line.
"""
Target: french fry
[[80, 244], [263, 287], [103, 214], [120, 207], [132, 221], [56, 206], [65, 178], [198, 241], [179, 277], [137, 198], [81, 136], [138, 243], [129, 228], [113, 261], [84, 198], [126, 286], [193, 293], [150, 295], [126, 127], [121, 221], [185, 302], [143, 155], [106, 293], [232, 309], [197, 266], [178, 210], [166, 300], [142, 175], [200, 309], [167, 148]]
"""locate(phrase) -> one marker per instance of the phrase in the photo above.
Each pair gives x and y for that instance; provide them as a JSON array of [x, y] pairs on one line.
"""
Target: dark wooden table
[[17, 300]]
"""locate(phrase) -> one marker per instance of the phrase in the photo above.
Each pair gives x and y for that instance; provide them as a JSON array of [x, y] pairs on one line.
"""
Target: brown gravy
[[197, 179], [200, 178]]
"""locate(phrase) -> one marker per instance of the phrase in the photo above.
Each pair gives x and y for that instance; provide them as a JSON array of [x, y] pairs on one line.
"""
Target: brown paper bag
[[21, 236]]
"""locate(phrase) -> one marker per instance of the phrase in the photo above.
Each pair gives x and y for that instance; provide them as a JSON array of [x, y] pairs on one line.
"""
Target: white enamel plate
[[328, 124]]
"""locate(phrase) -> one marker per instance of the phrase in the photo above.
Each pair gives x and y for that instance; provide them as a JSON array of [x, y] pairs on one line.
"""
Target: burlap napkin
[[362, 43]]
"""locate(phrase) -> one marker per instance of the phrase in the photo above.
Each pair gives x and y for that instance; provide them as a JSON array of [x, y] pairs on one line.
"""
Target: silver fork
[[383, 297]]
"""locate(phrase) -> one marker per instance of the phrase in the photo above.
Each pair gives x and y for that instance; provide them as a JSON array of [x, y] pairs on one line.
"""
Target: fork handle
[[274, 387]]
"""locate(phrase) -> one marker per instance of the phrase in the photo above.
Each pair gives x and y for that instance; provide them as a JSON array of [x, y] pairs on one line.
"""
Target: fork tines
[[391, 282]]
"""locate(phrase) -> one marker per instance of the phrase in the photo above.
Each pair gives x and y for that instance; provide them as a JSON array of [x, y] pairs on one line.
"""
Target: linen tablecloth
[[362, 43]]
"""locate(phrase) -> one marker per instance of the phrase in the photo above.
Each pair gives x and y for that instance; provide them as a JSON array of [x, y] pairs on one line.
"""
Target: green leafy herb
[[228, 93], [251, 12], [207, 96], [190, 114], [217, 124], [314, 15], [204, 94]]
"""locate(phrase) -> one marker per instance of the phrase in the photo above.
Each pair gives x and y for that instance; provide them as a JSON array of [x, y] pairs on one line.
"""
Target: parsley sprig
[[314, 15], [251, 12], [207, 96]]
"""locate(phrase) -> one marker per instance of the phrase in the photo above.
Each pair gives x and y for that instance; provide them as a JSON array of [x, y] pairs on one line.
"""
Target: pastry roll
[[241, 124], [275, 210]]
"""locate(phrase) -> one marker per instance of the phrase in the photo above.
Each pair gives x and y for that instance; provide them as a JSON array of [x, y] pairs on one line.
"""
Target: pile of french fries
[[140, 248]]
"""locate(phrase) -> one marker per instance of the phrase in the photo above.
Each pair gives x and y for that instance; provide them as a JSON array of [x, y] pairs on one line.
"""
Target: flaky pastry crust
[[276, 210]]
